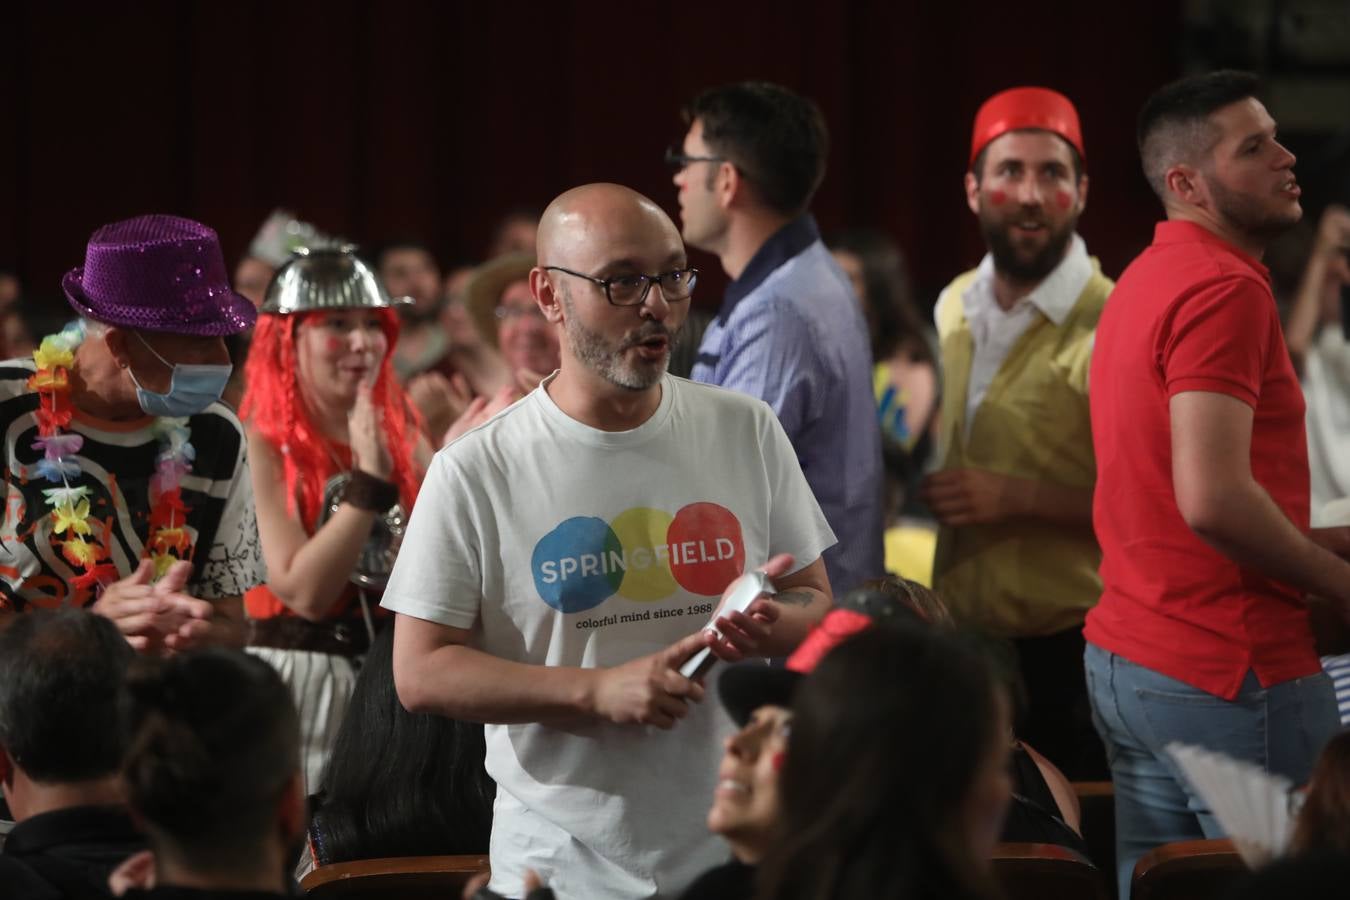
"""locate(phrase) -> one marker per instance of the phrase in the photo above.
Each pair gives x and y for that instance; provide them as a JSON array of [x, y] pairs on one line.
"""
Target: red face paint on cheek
[[1063, 200], [334, 345], [998, 198], [778, 761]]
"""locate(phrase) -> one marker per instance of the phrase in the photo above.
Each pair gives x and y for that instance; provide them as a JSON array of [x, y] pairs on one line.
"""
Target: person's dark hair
[[1079, 170], [925, 602], [1174, 124], [524, 213], [212, 742], [892, 318], [429, 794], [60, 671], [405, 242], [777, 139], [1324, 822], [888, 734]]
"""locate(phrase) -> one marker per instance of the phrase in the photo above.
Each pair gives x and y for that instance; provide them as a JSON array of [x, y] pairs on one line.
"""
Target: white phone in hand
[[737, 598]]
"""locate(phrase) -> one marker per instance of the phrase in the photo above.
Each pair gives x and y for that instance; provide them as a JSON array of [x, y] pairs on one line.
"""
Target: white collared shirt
[[994, 331]]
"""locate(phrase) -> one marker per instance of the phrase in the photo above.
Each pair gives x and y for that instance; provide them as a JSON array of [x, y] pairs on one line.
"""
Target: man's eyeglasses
[[631, 290], [680, 160]]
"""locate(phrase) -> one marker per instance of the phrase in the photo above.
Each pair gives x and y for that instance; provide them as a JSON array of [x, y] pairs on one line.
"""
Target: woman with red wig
[[336, 455]]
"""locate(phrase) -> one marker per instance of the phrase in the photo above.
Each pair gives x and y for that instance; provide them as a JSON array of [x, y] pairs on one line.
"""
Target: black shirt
[[733, 880], [183, 893], [67, 853]]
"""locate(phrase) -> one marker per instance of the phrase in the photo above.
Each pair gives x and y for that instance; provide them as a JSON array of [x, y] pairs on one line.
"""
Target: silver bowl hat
[[329, 278]]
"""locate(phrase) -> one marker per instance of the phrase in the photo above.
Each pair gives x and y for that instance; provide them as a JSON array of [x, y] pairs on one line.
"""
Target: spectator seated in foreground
[[60, 749], [1044, 807], [428, 796], [213, 771], [751, 807]]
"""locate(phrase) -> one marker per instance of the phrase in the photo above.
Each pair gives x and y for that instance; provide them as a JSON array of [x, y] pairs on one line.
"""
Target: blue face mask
[[192, 388]]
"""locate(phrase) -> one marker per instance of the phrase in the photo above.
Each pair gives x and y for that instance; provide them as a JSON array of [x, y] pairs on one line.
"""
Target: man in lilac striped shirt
[[789, 330]]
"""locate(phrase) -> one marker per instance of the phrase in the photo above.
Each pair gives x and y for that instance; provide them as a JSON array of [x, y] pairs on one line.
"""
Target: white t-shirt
[[1326, 385], [562, 545]]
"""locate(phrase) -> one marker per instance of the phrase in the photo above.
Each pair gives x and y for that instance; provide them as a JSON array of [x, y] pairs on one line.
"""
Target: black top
[[183, 893], [1314, 876], [68, 853], [733, 880], [1034, 816]]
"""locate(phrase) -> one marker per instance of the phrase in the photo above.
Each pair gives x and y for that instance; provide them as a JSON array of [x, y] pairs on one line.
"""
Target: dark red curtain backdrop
[[401, 117]]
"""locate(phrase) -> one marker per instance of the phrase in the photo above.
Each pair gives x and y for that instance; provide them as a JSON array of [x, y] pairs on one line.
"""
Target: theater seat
[[1097, 813], [1046, 872], [1193, 870], [402, 877]]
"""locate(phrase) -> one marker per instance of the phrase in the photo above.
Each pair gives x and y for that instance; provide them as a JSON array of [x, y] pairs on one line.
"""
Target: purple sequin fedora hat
[[158, 273]]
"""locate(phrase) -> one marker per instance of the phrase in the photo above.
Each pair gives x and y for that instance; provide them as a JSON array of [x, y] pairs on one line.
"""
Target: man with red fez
[[1202, 505], [1013, 497], [127, 486]]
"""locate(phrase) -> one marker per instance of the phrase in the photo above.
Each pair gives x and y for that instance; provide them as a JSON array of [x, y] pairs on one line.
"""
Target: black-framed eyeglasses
[[631, 290], [680, 160]]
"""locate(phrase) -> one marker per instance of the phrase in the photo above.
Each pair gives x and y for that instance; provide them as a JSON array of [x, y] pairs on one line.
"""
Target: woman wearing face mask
[[336, 460]]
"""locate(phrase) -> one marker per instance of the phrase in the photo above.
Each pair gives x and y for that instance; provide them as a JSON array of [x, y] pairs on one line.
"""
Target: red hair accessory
[[837, 625], [1026, 107]]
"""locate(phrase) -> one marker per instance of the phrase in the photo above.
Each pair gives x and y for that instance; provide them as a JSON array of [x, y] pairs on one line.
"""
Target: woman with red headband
[[336, 458]]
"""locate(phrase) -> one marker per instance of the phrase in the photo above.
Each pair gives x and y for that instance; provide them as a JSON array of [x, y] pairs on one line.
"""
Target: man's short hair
[[777, 139], [1174, 125], [60, 673], [403, 242], [1079, 170], [212, 736]]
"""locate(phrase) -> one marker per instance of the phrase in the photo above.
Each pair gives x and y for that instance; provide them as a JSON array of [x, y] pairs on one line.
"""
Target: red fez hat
[[1026, 107]]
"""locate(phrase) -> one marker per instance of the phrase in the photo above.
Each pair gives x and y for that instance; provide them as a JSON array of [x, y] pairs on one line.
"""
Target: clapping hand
[[365, 432], [157, 617]]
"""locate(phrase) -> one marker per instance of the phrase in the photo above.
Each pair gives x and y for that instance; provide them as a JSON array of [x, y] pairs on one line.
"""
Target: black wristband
[[365, 491]]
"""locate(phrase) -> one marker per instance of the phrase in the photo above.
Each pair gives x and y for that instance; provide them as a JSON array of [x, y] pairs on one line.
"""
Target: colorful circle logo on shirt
[[644, 555]]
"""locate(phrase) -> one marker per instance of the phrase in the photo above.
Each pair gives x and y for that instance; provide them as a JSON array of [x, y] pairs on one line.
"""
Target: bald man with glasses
[[564, 557]]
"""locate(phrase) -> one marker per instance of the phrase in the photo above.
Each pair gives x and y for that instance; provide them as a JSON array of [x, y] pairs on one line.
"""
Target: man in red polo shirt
[[1201, 504]]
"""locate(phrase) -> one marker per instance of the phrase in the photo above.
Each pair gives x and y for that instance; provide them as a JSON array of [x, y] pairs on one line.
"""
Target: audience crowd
[[459, 574]]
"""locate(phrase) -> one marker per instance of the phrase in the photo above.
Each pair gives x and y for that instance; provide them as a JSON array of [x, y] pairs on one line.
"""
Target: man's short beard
[[416, 317], [606, 359], [1247, 214], [1009, 262]]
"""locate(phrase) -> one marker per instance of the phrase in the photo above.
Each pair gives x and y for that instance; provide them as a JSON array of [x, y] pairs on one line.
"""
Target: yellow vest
[[1021, 578]]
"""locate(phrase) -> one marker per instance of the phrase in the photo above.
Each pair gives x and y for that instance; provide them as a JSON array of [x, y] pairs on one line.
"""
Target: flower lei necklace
[[168, 540]]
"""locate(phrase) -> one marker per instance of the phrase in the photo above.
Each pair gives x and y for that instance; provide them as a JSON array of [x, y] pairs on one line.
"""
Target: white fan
[[1254, 807]]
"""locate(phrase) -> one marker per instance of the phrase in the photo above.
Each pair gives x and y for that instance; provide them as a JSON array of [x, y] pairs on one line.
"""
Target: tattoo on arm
[[795, 598]]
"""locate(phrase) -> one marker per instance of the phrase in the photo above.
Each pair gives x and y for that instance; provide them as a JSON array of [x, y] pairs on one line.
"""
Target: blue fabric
[[1338, 670], [1138, 712], [786, 243], [790, 332]]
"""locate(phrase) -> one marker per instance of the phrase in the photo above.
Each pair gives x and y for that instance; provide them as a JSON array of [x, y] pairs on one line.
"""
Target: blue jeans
[[1138, 712]]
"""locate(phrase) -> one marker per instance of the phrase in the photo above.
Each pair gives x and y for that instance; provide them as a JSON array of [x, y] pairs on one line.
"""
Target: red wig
[[274, 405]]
